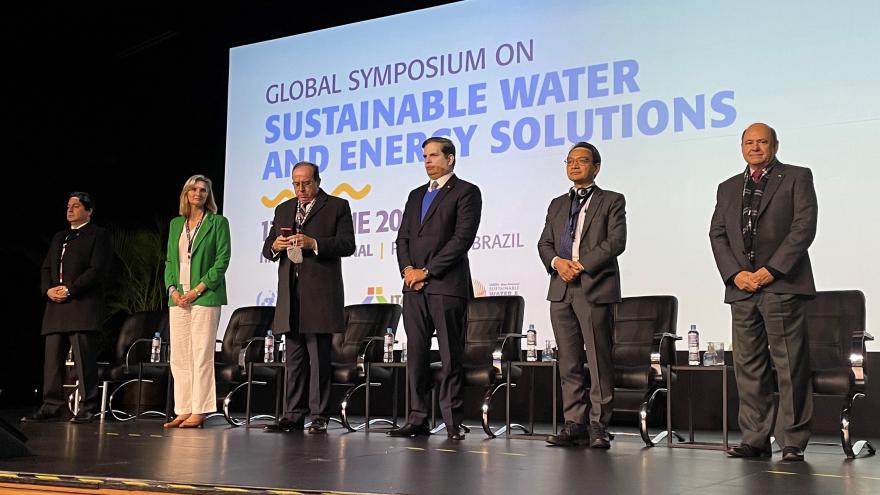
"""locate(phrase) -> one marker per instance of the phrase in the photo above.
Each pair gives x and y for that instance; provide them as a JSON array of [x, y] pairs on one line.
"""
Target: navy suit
[[439, 243]]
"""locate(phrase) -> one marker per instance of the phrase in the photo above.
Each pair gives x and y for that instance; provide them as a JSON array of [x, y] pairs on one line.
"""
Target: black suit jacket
[[603, 239], [87, 262], [786, 228], [442, 241], [321, 292]]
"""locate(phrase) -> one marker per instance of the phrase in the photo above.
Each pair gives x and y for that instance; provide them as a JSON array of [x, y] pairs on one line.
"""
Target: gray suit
[[580, 311], [769, 324]]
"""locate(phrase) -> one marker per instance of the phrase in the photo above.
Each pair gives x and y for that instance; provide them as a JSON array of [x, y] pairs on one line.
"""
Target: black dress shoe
[[285, 425], [455, 433], [792, 454], [571, 434], [411, 430], [82, 418], [746, 451], [41, 417], [599, 437], [319, 425]]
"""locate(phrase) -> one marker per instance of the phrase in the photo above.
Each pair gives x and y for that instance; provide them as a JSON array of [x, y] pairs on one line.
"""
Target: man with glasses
[[73, 277], [584, 233], [310, 235]]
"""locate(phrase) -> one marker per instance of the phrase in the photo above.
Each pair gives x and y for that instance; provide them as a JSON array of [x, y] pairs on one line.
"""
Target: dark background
[[125, 102]]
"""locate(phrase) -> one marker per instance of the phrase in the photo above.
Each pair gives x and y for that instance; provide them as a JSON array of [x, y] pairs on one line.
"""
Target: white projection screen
[[663, 89]]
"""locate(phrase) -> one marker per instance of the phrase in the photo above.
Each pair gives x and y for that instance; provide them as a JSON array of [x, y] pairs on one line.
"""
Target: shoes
[[41, 417], [194, 421], [599, 437], [174, 423], [319, 425], [285, 425], [411, 430], [82, 418], [746, 451], [792, 454], [571, 434], [456, 433]]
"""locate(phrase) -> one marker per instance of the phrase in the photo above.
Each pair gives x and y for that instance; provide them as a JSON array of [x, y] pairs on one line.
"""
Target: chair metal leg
[[343, 411], [645, 411], [487, 404], [852, 450], [120, 415], [227, 415]]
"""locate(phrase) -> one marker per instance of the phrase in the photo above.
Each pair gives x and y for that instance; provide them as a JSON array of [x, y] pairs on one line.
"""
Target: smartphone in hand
[[286, 231]]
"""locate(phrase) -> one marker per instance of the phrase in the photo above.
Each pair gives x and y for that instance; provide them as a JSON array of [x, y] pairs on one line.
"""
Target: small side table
[[280, 387], [396, 367], [691, 443], [531, 366]]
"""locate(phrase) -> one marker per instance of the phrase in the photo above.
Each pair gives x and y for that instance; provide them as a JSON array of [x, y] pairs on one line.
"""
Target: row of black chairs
[[644, 345]]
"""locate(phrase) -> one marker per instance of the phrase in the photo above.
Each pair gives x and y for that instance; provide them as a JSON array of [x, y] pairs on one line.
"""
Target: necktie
[[756, 175], [434, 186], [429, 198], [300, 217], [567, 241]]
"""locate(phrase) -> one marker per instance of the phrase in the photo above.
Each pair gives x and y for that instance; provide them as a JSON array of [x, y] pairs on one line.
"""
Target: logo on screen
[[375, 295], [266, 298]]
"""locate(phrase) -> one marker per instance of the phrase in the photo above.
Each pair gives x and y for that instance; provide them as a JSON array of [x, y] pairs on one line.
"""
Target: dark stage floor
[[359, 462]]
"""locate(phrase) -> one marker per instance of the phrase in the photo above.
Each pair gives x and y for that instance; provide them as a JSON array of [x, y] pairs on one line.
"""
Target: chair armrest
[[362, 353], [857, 355], [498, 353], [656, 347], [131, 348], [242, 353]]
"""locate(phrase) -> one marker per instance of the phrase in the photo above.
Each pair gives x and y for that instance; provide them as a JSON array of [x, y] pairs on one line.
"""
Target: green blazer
[[209, 260]]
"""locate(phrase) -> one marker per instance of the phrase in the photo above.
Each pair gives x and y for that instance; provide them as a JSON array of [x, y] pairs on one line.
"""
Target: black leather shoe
[[792, 454], [411, 430], [41, 417], [82, 418], [285, 425], [571, 434], [319, 425], [599, 437], [455, 433], [746, 451]]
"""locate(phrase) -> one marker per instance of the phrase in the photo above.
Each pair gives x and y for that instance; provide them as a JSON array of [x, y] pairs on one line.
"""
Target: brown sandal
[[194, 421], [176, 421]]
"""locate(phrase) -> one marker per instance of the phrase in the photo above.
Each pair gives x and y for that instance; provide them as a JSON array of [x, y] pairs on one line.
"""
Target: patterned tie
[[300, 217], [434, 186]]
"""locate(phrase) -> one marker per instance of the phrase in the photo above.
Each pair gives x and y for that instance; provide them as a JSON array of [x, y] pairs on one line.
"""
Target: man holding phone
[[311, 302]]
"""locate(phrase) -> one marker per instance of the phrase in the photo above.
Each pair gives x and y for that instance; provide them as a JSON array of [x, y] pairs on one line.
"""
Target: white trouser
[[193, 333]]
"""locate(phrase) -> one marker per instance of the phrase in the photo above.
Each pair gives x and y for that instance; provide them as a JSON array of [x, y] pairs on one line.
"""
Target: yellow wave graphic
[[345, 187]]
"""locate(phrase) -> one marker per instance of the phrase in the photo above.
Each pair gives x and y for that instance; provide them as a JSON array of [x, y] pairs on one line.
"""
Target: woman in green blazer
[[198, 256]]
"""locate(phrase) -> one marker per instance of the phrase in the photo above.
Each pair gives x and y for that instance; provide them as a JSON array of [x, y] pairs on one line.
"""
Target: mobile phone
[[286, 231]]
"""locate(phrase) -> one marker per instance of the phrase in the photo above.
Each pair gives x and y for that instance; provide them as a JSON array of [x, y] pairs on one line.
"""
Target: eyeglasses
[[580, 161], [303, 184]]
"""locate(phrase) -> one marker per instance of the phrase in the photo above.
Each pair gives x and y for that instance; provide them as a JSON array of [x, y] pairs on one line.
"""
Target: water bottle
[[547, 355], [269, 348], [531, 343], [156, 348], [693, 346], [388, 355]]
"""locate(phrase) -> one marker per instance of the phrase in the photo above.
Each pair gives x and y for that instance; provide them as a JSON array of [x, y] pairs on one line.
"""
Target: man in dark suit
[[310, 235], [583, 235], [764, 221], [439, 225], [73, 276]]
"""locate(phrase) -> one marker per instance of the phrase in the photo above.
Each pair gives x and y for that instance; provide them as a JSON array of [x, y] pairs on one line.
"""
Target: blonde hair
[[188, 186]]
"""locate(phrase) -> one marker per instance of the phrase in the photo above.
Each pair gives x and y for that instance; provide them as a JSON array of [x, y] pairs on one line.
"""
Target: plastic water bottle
[[156, 348], [388, 355], [547, 355], [269, 348], [531, 343], [693, 346]]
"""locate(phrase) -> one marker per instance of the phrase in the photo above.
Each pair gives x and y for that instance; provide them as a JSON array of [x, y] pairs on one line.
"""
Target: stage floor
[[219, 457]]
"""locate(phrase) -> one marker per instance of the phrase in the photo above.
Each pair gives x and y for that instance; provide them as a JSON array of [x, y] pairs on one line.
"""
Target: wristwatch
[[427, 273], [171, 290]]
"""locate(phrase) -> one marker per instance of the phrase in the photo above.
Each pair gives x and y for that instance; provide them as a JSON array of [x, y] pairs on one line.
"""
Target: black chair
[[242, 345], [493, 329], [836, 328], [354, 350], [133, 345], [644, 344]]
